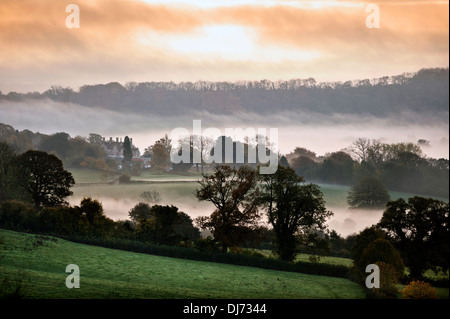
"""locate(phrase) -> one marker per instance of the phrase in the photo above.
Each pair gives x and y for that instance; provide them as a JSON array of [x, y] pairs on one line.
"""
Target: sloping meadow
[[33, 266]]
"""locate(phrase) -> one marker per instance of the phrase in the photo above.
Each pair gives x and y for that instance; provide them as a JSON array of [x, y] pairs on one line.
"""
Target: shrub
[[371, 247], [246, 252], [389, 279], [419, 290], [60, 220], [381, 250], [18, 215], [361, 241], [207, 244]]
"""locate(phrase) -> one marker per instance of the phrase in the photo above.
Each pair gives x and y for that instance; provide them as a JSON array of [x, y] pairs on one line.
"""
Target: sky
[[210, 40]]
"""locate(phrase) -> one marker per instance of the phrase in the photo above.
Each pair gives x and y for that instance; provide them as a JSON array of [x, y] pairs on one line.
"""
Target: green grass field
[[38, 267], [167, 176], [84, 175]]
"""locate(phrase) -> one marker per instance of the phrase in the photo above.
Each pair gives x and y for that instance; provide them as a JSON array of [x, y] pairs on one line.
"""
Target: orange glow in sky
[[232, 40]]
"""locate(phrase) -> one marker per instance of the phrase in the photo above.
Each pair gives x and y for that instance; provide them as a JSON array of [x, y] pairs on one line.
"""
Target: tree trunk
[[224, 248]]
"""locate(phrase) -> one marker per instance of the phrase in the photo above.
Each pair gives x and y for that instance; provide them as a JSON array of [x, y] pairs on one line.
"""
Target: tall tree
[[43, 176], [292, 209], [235, 195], [284, 162], [337, 167], [160, 157], [185, 228], [151, 197], [127, 153], [360, 149], [95, 138], [166, 142], [419, 229], [58, 142], [162, 221]]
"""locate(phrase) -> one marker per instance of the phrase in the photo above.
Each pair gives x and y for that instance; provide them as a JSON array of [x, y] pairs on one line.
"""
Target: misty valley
[[224, 158], [361, 177], [118, 200]]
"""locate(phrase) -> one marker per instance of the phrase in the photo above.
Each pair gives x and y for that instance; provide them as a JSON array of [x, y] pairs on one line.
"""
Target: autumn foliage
[[419, 290]]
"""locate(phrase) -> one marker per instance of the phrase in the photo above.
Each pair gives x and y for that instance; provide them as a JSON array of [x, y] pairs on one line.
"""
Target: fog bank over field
[[118, 200], [319, 132]]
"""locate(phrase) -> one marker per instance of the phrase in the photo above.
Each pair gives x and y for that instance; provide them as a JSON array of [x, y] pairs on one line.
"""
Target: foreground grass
[[38, 265]]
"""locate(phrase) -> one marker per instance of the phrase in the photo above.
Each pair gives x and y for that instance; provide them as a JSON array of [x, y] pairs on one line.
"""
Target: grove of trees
[[74, 152], [413, 234], [296, 212], [419, 229], [399, 167]]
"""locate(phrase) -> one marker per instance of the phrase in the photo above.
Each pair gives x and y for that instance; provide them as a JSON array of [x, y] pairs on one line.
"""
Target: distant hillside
[[425, 92]]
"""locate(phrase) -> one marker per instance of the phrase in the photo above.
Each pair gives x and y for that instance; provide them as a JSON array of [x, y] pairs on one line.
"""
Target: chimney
[[131, 140], [120, 140], [117, 140], [110, 139]]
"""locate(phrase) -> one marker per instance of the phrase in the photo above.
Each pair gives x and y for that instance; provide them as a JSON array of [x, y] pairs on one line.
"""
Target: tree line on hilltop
[[424, 92]]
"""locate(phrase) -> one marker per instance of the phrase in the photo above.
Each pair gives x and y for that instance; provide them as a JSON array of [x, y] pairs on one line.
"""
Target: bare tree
[[360, 148], [151, 197]]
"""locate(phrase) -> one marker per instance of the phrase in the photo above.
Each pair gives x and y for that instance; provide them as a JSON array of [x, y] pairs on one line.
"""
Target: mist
[[118, 200], [318, 132]]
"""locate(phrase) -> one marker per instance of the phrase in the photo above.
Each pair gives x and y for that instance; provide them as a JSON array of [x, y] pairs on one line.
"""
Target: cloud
[[320, 133], [144, 41], [105, 26]]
